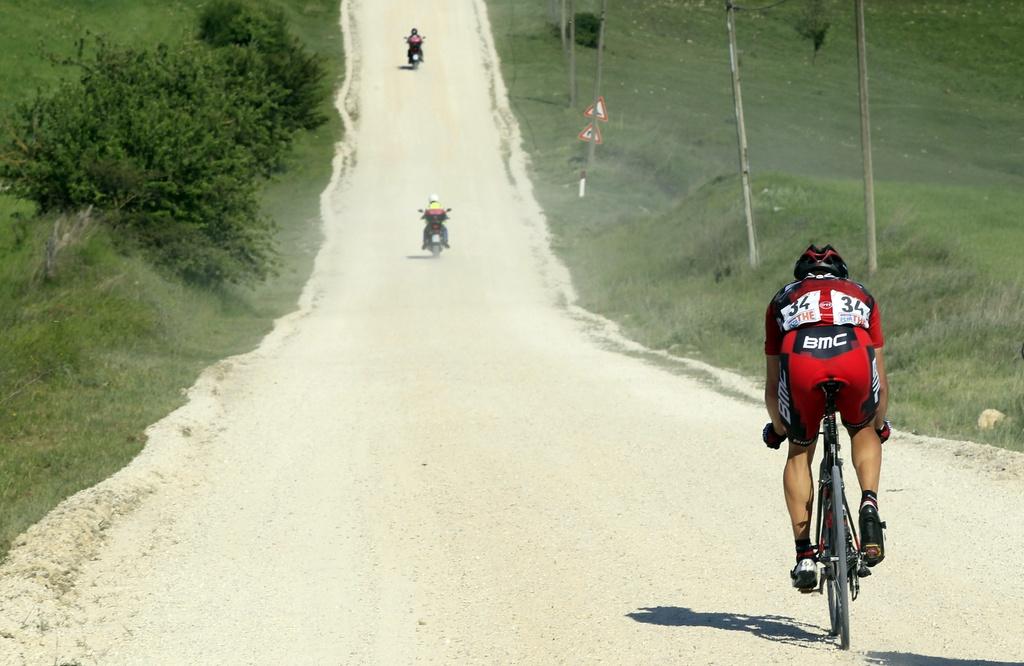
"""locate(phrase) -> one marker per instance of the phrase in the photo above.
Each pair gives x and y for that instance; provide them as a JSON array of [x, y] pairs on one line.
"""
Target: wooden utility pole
[[561, 27], [572, 54], [741, 131], [865, 139], [592, 145]]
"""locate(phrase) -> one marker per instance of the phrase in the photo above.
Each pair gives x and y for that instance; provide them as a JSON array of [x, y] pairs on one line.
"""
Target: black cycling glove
[[772, 439], [884, 431]]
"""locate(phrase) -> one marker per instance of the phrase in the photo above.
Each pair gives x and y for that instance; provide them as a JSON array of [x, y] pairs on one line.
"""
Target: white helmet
[[434, 197]]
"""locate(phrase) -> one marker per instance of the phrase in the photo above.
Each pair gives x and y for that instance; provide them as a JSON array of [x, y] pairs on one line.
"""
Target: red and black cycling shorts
[[816, 354]]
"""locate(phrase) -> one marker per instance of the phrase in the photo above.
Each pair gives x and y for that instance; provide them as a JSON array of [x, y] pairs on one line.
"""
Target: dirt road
[[438, 461]]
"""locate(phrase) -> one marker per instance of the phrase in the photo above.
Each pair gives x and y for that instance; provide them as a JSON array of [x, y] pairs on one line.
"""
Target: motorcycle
[[436, 236], [415, 54]]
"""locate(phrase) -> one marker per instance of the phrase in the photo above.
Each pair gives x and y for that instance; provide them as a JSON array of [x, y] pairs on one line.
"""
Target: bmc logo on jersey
[[825, 341], [784, 403]]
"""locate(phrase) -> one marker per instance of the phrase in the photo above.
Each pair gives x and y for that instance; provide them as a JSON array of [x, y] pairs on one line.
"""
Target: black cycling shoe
[[872, 543], [805, 575]]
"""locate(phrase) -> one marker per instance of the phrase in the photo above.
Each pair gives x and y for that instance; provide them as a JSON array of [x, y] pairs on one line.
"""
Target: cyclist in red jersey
[[824, 327]]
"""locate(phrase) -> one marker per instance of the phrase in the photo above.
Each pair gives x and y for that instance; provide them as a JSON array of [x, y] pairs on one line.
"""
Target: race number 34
[[804, 310], [847, 309]]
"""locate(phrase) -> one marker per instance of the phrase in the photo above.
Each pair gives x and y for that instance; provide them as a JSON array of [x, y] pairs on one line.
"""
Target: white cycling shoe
[[805, 575]]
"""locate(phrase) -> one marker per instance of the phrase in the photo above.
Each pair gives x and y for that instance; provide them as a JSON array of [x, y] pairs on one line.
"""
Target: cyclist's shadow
[[770, 627]]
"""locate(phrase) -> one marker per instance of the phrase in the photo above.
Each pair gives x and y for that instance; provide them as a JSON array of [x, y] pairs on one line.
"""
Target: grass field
[[659, 242], [88, 360]]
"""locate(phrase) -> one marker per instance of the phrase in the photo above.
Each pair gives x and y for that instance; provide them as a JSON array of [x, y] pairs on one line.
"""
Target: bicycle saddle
[[831, 387]]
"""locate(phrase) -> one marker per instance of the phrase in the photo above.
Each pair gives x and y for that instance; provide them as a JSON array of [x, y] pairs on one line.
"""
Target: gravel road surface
[[445, 461]]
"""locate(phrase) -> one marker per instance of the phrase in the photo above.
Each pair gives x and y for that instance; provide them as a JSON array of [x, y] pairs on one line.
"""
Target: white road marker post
[[583, 187]]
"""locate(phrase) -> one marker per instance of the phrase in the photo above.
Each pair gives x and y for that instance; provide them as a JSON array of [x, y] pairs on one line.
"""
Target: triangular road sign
[[597, 110], [591, 133]]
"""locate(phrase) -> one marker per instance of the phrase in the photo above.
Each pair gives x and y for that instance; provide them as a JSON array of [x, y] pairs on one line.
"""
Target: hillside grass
[[659, 244], [89, 360]]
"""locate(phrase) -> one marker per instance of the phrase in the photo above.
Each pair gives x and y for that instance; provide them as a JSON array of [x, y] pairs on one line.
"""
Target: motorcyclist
[[415, 41], [435, 212]]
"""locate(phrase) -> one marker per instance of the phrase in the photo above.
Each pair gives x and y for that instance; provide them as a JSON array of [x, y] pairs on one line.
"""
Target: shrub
[[227, 22], [170, 143], [257, 40], [588, 28]]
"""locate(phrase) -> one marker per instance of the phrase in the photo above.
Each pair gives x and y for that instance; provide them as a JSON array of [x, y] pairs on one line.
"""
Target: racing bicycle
[[838, 546]]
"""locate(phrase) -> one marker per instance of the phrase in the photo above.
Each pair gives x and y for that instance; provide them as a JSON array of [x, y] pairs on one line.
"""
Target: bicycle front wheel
[[839, 591]]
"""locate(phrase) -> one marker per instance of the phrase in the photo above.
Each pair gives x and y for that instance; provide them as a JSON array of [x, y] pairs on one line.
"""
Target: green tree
[[813, 24]]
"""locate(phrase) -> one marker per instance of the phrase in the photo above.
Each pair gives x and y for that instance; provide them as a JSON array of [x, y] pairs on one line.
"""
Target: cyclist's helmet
[[434, 197], [820, 259], [415, 31]]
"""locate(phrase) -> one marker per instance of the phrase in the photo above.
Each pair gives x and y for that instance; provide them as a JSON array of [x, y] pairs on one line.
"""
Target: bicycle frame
[[838, 546]]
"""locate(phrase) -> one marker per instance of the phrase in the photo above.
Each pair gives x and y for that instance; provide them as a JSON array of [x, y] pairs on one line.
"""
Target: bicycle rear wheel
[[838, 592]]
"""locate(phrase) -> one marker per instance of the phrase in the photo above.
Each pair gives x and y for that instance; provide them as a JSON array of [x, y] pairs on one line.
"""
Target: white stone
[[990, 418]]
